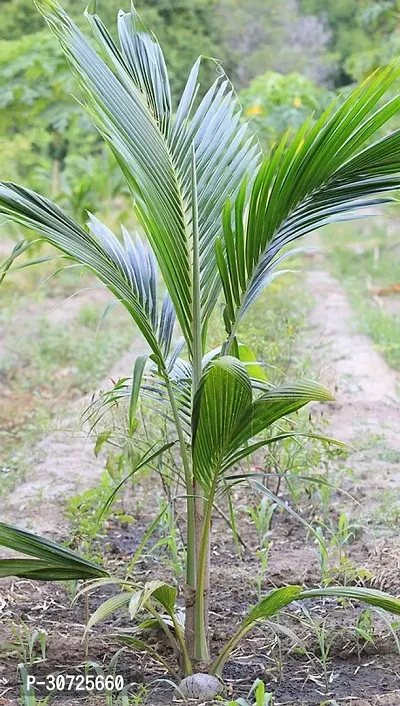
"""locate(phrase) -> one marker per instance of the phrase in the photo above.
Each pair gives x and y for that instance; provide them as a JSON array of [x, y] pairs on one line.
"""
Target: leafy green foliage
[[40, 118], [276, 600], [379, 22], [40, 121], [257, 696], [275, 102], [270, 34], [364, 33]]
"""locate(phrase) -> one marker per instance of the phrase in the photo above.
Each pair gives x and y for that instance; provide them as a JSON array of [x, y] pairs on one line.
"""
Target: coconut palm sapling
[[218, 218]]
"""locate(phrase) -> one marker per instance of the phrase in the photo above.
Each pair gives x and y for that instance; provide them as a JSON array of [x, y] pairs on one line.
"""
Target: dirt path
[[363, 381], [366, 388], [63, 463], [366, 414]]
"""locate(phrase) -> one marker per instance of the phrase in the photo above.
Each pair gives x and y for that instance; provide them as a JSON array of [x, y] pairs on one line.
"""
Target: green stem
[[86, 638], [231, 522], [191, 552], [163, 626], [202, 651], [143, 543], [219, 663], [194, 624], [236, 536]]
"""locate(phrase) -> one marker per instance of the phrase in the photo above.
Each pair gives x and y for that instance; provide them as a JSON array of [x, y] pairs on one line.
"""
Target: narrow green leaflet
[[254, 368], [162, 592], [273, 405], [109, 607], [147, 457], [249, 449], [166, 595], [378, 599], [137, 376], [41, 570], [54, 562], [272, 604]]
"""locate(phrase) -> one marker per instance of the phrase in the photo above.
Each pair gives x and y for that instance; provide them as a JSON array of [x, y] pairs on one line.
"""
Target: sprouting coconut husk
[[200, 686]]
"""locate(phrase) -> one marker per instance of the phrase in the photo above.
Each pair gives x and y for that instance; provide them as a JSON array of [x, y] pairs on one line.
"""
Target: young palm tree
[[218, 217]]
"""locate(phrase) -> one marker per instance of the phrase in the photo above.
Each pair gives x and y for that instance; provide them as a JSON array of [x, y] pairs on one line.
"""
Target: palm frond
[[137, 262], [324, 176], [243, 452], [151, 387], [129, 273], [129, 99], [279, 598], [226, 420], [272, 406]]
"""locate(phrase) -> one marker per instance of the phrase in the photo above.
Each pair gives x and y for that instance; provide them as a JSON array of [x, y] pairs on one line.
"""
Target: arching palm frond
[[279, 598], [224, 394], [129, 273], [266, 410], [129, 99], [323, 177], [136, 260]]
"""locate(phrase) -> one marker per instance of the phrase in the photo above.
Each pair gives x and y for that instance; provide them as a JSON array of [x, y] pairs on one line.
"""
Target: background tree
[[329, 44], [381, 23], [274, 35], [39, 117], [364, 33], [42, 126]]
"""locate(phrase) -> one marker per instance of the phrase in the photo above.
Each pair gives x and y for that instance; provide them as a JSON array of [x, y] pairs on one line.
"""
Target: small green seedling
[[29, 645], [257, 692]]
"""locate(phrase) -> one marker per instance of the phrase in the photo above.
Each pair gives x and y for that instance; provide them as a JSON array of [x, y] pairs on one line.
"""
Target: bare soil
[[367, 415]]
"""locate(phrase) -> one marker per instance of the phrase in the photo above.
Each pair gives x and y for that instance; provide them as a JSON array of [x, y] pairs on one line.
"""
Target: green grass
[[275, 323], [63, 358], [45, 365], [86, 517], [365, 258], [387, 514]]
